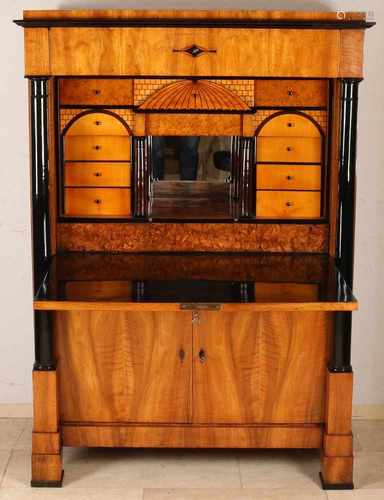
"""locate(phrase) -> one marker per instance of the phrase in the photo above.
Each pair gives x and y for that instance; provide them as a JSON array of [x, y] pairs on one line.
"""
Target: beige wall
[[16, 335]]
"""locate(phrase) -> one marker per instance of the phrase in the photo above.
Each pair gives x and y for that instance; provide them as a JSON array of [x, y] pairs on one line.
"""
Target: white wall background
[[16, 335]]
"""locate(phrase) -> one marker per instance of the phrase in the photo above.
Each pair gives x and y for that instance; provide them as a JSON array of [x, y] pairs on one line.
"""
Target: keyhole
[[202, 356]]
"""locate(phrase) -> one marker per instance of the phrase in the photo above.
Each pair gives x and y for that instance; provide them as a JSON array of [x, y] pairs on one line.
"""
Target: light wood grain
[[96, 91], [289, 124], [288, 204], [97, 124], [100, 148], [270, 369], [45, 401], [339, 403], [130, 369], [288, 177], [47, 467], [289, 149], [36, 52], [46, 443], [352, 47], [290, 92], [97, 202], [183, 436], [97, 174]]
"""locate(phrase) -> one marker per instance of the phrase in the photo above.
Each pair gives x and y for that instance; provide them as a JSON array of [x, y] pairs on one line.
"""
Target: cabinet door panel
[[260, 367], [124, 366]]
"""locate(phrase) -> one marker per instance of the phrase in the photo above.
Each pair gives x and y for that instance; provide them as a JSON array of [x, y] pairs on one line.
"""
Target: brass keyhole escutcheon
[[289, 148], [202, 356], [289, 204], [98, 202], [97, 91]]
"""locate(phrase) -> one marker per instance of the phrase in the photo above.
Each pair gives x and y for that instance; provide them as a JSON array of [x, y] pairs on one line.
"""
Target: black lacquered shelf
[[193, 280]]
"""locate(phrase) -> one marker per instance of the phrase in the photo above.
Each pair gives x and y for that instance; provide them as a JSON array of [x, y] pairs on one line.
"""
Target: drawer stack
[[289, 151], [96, 151]]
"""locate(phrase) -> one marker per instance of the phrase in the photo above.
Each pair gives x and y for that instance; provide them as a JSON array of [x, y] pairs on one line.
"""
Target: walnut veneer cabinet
[[193, 198]]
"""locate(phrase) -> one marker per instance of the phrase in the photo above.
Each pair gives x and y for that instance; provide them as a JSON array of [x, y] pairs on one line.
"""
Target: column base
[[47, 484], [335, 486]]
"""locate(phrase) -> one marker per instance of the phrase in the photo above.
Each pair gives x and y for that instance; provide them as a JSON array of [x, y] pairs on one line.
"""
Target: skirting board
[[360, 412]]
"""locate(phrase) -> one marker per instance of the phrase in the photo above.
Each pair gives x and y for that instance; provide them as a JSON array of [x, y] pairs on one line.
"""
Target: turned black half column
[[40, 216], [341, 355], [39, 179], [242, 177], [142, 151]]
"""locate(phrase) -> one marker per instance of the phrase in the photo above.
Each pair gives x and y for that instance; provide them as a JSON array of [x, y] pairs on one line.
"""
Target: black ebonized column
[[347, 179], [142, 147], [242, 176], [39, 178], [341, 352], [41, 247]]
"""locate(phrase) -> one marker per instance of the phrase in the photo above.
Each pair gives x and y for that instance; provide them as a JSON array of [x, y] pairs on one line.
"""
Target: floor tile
[[10, 431], [18, 473], [231, 494], [4, 459], [370, 434], [24, 441], [151, 468], [369, 470], [298, 469], [68, 494], [356, 495]]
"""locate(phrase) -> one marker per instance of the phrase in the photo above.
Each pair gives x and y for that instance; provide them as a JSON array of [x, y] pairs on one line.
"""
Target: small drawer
[[291, 93], [97, 124], [97, 202], [96, 91], [97, 174], [286, 292], [84, 147], [288, 177], [288, 204], [290, 125], [289, 149], [98, 290]]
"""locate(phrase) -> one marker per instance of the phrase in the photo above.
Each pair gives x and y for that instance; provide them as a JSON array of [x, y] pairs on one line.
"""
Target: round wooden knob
[[289, 177], [97, 174], [98, 123], [291, 92], [97, 147], [289, 204], [289, 148], [98, 202], [290, 124]]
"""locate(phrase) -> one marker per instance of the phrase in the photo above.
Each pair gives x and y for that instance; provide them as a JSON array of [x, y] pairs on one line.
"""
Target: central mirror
[[191, 158], [191, 177]]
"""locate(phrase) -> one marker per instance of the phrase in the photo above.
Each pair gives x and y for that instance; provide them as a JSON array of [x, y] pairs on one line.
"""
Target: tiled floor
[[97, 474]]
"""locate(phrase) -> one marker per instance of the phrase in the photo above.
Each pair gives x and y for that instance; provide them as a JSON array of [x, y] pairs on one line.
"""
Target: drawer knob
[[97, 147], [290, 124], [97, 174], [290, 177], [202, 356], [98, 123], [289, 203], [289, 148], [97, 91], [97, 201], [291, 92]]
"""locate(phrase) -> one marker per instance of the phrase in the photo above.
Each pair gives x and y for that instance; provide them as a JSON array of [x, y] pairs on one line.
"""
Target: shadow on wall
[[307, 5]]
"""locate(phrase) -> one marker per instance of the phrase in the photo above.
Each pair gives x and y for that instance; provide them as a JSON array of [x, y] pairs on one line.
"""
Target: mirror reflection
[[191, 158]]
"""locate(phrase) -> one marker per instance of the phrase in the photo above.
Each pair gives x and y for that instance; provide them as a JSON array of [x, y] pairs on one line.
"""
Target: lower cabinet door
[[116, 366], [260, 367]]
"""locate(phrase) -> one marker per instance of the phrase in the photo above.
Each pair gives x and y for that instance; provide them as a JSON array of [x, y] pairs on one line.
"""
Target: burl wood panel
[[290, 93], [183, 436], [271, 370], [124, 367], [158, 237], [96, 91]]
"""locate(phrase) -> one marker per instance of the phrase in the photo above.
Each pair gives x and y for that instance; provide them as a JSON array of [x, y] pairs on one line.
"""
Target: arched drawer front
[[290, 125], [97, 124]]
